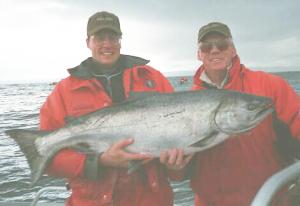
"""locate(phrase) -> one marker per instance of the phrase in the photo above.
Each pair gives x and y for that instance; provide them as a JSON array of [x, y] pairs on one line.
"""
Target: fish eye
[[252, 107]]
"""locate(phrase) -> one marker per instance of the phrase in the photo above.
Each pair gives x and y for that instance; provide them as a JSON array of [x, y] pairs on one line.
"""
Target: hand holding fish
[[175, 159], [116, 156]]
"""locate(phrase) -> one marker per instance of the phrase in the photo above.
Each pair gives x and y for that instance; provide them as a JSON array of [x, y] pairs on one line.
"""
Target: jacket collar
[[83, 71], [234, 74]]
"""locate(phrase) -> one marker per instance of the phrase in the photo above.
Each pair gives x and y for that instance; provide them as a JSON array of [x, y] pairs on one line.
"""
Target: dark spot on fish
[[173, 113]]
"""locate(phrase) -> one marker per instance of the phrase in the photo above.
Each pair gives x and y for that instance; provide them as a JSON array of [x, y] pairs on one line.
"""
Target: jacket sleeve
[[287, 105], [67, 163]]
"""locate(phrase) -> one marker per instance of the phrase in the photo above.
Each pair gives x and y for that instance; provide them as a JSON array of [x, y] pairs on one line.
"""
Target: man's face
[[216, 52], [105, 46]]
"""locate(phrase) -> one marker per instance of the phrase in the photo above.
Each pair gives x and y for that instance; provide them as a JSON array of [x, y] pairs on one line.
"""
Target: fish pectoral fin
[[206, 140], [91, 147]]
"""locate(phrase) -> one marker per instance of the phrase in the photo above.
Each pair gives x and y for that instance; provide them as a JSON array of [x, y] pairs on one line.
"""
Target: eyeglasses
[[111, 37], [221, 45]]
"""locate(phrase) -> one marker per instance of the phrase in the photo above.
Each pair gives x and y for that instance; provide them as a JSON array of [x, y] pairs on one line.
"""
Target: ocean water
[[19, 107]]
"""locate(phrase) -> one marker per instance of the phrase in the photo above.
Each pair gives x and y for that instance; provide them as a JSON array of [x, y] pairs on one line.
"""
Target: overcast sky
[[40, 39]]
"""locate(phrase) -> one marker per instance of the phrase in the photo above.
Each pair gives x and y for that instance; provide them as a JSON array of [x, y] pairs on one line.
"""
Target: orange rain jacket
[[232, 173], [79, 94]]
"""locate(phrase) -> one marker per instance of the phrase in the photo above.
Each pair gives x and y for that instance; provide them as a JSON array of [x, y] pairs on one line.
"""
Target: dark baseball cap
[[214, 27], [103, 20]]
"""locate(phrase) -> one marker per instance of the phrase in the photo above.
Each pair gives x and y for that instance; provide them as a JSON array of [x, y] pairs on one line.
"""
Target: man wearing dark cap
[[232, 173], [104, 79]]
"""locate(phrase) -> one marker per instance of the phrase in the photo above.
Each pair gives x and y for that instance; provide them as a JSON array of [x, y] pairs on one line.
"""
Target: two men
[[229, 174]]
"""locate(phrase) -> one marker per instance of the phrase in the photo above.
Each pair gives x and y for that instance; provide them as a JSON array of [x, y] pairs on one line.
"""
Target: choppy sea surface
[[19, 108]]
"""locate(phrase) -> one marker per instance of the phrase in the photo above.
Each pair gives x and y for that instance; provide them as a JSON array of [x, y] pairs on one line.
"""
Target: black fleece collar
[[83, 71]]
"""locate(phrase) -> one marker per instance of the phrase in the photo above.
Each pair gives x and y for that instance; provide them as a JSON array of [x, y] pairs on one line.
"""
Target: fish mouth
[[265, 111]]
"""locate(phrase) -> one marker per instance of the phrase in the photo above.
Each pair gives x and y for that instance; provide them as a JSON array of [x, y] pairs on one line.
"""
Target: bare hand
[[174, 159], [115, 156]]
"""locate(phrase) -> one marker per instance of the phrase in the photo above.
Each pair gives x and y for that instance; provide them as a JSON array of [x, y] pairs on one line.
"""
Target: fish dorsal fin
[[141, 95]]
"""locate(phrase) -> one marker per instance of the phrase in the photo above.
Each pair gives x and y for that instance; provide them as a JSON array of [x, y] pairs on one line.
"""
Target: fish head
[[239, 112]]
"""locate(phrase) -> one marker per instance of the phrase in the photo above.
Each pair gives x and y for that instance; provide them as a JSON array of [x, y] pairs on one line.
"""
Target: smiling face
[[216, 52], [105, 47]]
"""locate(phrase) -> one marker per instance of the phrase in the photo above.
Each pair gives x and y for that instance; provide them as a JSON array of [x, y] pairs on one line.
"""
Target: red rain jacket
[[75, 97], [232, 173]]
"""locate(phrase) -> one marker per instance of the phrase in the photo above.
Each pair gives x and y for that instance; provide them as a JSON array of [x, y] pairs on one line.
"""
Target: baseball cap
[[214, 27], [103, 20]]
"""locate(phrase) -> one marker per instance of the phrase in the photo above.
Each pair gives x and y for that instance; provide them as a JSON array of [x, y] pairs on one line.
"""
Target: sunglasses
[[221, 45]]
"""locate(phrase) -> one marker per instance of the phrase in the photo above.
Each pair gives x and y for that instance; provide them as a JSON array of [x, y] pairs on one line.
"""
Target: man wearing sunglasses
[[232, 173], [106, 78]]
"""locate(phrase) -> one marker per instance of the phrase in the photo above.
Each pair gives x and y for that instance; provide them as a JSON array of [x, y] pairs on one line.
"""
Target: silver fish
[[192, 120]]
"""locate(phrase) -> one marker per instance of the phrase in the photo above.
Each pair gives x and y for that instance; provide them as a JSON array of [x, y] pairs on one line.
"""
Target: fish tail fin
[[26, 141]]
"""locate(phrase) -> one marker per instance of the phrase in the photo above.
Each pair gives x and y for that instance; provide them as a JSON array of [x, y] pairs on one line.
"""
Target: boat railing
[[45, 190], [266, 193]]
